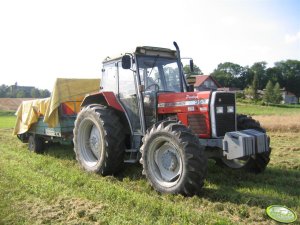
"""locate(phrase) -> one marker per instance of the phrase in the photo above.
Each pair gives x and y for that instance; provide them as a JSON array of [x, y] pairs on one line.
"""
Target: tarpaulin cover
[[64, 90]]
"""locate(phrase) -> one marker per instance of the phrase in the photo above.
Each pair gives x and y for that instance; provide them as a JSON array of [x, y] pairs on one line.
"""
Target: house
[[16, 88], [289, 97], [206, 83]]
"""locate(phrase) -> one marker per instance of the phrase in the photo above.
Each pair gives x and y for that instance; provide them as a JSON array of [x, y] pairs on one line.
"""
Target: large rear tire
[[255, 163], [173, 160], [99, 140]]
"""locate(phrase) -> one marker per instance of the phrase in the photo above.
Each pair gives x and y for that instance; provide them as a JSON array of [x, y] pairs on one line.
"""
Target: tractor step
[[131, 156]]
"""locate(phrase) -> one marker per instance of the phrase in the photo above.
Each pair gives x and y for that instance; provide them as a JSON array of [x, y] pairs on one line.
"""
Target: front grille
[[197, 123], [225, 122]]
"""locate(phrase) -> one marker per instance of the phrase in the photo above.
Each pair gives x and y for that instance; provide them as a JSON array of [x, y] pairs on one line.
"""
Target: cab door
[[128, 96]]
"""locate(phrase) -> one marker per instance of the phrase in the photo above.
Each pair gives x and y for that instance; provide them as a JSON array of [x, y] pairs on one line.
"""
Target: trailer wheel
[[255, 163], [36, 144], [99, 140], [172, 159]]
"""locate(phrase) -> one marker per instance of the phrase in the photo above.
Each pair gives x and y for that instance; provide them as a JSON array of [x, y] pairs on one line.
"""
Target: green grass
[[8, 119], [251, 109], [53, 189]]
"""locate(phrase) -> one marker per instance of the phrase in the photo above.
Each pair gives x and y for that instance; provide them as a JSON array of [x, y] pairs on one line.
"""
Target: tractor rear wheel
[[173, 160], [36, 144], [254, 163], [99, 140]]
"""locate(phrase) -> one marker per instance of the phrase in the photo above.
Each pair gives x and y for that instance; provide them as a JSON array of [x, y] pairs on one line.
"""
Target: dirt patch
[[11, 103], [63, 211]]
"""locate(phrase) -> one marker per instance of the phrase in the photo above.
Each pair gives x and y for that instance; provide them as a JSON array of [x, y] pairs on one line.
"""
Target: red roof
[[201, 78]]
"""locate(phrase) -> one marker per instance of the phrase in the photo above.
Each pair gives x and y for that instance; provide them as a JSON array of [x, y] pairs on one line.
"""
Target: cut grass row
[[51, 188]]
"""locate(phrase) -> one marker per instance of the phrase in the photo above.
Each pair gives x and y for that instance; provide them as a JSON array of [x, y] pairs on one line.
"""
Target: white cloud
[[292, 38]]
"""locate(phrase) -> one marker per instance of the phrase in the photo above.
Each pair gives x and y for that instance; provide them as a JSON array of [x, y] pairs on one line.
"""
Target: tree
[[3, 90], [21, 94], [269, 93], [187, 70], [259, 69], [229, 75], [277, 95], [272, 93], [44, 93], [35, 93], [254, 87], [290, 72]]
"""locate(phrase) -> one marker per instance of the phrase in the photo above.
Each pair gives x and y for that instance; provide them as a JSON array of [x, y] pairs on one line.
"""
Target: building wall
[[289, 98]]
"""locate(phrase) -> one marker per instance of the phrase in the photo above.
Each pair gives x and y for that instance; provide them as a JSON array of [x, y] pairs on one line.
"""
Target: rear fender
[[103, 98], [109, 99]]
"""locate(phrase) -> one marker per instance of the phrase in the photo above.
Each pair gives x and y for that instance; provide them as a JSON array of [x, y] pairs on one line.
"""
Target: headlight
[[219, 109], [230, 109]]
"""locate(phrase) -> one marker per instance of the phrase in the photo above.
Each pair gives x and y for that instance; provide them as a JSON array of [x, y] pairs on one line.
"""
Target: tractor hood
[[183, 102]]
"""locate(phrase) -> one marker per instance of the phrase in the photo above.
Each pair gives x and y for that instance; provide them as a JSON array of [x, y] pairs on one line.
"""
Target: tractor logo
[[191, 97], [219, 100]]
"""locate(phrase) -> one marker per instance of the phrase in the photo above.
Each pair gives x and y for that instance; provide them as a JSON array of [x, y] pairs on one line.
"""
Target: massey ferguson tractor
[[146, 112]]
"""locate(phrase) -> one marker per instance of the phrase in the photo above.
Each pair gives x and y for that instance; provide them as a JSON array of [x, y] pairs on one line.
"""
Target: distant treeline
[[15, 91], [286, 73]]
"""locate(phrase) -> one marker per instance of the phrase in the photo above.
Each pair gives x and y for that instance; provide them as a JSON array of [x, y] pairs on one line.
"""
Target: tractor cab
[[139, 78]]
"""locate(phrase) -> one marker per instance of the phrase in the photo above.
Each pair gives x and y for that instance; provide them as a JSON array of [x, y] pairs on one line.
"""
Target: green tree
[[3, 90], [34, 93], [254, 87], [277, 95], [44, 93], [230, 75], [269, 93], [187, 70], [290, 72], [259, 69], [21, 94]]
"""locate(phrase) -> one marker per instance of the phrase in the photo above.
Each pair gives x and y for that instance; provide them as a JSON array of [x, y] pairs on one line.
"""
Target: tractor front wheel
[[173, 160]]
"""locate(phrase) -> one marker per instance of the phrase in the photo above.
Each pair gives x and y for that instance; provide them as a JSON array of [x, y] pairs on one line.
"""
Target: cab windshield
[[158, 73]]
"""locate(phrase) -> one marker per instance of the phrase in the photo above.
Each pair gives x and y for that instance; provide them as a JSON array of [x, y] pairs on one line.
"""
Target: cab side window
[[109, 78]]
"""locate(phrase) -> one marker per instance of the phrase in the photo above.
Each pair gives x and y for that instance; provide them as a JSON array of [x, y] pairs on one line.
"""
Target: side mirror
[[126, 62], [191, 65]]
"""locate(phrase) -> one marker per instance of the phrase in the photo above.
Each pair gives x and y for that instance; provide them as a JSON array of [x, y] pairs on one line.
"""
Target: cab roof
[[147, 51]]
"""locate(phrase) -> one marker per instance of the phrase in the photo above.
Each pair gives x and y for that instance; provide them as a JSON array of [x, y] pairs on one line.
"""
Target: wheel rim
[[236, 163], [89, 142], [165, 162]]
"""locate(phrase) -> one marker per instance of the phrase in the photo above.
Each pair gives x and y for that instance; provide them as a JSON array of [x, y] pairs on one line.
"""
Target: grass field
[[52, 189]]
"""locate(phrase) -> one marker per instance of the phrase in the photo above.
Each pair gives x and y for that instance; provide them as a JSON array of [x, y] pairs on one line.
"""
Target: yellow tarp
[[64, 90]]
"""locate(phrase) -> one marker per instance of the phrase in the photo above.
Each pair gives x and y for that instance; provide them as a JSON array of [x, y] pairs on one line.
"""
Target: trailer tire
[[255, 163], [172, 159], [36, 144], [99, 140]]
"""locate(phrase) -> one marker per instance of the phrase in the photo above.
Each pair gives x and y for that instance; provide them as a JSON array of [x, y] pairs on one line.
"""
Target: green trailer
[[40, 133], [50, 120]]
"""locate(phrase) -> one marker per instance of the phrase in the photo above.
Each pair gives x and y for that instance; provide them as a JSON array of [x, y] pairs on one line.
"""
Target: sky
[[42, 40]]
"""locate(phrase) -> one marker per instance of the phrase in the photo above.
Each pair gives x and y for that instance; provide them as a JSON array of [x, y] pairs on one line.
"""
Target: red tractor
[[146, 112]]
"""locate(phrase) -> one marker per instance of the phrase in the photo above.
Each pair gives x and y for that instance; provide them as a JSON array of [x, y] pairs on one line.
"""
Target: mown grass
[[52, 189], [251, 109]]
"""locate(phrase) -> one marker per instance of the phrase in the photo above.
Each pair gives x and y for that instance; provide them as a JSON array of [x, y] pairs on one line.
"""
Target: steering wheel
[[151, 86]]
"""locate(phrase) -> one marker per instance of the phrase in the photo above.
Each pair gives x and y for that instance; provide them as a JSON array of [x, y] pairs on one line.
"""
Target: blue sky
[[43, 40]]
